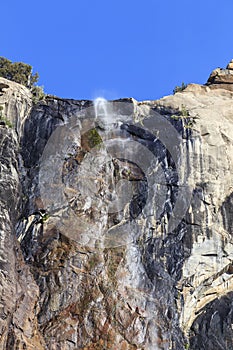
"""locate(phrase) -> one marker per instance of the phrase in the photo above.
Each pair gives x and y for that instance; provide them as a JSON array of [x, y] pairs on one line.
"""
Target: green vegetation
[[4, 119], [94, 138], [45, 217], [127, 173], [22, 73], [184, 114], [18, 71], [179, 88], [37, 93]]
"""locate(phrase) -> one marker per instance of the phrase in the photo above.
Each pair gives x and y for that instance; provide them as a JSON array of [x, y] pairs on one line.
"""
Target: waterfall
[[110, 133], [103, 112]]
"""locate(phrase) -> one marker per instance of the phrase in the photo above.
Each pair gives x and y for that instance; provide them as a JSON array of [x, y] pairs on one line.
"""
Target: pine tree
[[18, 71]]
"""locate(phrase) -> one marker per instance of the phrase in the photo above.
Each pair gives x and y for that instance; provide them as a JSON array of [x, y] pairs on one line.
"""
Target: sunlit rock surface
[[16, 103], [117, 221]]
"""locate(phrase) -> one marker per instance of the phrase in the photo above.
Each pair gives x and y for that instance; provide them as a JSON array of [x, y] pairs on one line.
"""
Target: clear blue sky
[[114, 48]]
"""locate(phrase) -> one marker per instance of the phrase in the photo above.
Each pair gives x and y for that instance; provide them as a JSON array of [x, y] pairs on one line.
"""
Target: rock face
[[116, 221], [19, 292], [230, 65], [222, 78], [16, 102]]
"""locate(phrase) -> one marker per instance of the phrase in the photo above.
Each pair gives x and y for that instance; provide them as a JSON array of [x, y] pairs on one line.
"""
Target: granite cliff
[[116, 220]]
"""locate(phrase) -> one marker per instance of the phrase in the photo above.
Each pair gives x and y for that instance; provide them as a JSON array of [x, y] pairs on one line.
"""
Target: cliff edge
[[116, 220]]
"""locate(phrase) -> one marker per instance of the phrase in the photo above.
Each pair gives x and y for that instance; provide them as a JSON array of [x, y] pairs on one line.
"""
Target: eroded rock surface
[[222, 78], [123, 212], [16, 102], [18, 290]]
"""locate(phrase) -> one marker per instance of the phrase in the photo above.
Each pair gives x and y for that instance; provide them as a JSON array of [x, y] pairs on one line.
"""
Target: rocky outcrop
[[222, 78], [213, 327], [16, 102], [206, 272], [230, 65], [123, 216]]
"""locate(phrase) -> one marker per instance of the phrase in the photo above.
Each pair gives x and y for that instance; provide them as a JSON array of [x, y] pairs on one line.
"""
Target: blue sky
[[142, 49]]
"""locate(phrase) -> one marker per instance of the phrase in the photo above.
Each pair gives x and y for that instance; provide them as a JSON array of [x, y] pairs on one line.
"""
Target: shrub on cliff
[[22, 73], [18, 71], [179, 88]]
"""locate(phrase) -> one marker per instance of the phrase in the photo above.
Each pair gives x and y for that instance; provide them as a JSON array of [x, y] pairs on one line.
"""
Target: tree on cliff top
[[18, 71]]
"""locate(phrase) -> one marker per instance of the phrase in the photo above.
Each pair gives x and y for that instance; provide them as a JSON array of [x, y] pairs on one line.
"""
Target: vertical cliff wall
[[19, 292], [116, 221]]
